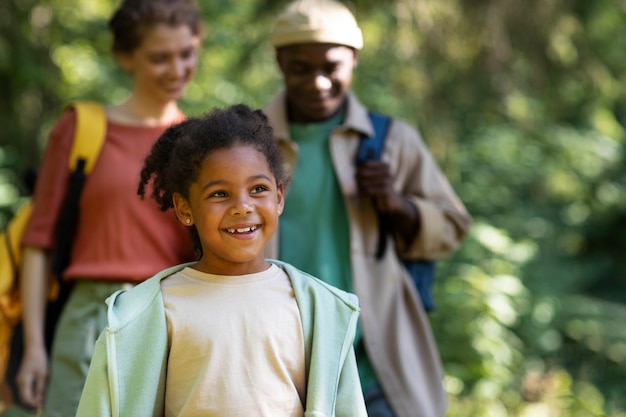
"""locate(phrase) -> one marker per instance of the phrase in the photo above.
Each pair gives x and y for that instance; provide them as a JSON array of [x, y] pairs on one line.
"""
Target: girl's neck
[[138, 112], [219, 268]]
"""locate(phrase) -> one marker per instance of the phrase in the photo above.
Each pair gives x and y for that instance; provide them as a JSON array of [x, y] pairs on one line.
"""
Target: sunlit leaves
[[78, 63]]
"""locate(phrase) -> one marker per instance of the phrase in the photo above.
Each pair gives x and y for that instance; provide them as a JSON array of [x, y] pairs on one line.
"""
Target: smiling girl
[[120, 239], [233, 334]]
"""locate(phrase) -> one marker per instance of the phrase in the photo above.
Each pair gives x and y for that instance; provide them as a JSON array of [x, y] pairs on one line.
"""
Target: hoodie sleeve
[[350, 401], [96, 400]]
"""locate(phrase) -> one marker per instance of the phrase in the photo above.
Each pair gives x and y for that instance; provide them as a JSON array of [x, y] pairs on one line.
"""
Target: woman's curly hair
[[174, 161]]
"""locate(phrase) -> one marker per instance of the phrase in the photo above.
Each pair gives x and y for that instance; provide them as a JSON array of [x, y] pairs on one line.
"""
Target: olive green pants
[[83, 318]]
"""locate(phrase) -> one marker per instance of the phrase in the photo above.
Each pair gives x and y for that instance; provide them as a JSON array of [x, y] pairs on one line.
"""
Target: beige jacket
[[397, 334]]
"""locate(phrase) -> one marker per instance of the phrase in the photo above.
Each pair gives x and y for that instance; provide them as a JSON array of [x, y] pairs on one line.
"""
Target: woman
[[120, 239]]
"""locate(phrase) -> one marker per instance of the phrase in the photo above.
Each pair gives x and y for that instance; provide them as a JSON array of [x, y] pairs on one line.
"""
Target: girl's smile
[[242, 230]]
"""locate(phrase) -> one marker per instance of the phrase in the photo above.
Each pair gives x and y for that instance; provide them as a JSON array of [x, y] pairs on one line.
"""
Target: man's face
[[317, 77]]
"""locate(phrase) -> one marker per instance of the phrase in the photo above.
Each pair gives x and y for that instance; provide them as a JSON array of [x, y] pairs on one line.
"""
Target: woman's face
[[163, 63]]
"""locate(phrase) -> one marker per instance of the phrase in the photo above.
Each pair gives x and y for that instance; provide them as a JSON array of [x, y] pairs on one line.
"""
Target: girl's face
[[164, 62], [234, 204]]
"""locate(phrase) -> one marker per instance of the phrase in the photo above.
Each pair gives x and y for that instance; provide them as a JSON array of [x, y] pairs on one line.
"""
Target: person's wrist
[[398, 204], [33, 346]]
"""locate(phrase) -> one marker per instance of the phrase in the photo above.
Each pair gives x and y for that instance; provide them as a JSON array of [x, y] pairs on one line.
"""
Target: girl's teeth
[[242, 230]]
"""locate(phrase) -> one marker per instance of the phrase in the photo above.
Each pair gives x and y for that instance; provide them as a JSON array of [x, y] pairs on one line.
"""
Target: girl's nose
[[241, 207]]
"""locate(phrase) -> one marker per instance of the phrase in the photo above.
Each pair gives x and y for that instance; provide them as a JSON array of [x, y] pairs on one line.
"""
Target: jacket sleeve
[[444, 219], [350, 402], [95, 400]]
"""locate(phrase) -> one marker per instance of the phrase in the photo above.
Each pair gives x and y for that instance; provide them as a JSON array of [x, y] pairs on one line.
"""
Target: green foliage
[[523, 105]]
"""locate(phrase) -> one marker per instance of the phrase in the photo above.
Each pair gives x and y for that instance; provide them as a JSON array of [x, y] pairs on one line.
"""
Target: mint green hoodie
[[128, 370]]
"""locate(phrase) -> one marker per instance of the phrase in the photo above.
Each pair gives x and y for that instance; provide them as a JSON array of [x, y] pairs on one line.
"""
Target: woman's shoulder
[[63, 129]]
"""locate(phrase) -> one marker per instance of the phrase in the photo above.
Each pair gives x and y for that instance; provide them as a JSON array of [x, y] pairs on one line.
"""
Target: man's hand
[[374, 180]]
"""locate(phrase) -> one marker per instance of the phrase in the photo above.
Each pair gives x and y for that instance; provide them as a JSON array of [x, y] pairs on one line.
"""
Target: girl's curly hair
[[174, 161]]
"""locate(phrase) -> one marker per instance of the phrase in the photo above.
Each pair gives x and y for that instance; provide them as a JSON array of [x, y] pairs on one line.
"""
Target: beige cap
[[316, 21]]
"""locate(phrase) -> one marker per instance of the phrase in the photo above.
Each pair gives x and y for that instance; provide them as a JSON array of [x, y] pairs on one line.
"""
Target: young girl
[[120, 240], [232, 334]]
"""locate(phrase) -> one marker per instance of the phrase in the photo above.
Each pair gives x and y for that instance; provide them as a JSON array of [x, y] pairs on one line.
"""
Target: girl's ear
[[280, 203], [183, 210]]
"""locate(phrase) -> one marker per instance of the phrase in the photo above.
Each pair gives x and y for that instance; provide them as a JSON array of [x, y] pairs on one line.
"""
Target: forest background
[[522, 103]]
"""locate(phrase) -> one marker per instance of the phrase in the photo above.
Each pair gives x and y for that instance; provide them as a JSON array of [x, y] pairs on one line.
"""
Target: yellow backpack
[[88, 139]]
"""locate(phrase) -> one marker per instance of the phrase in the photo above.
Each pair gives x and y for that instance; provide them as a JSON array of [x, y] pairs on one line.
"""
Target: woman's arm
[[33, 372]]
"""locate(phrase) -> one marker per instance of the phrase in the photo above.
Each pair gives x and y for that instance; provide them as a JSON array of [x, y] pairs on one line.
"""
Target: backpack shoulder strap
[[372, 147], [89, 135]]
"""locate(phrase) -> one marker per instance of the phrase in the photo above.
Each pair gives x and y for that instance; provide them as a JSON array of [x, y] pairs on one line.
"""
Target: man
[[330, 224]]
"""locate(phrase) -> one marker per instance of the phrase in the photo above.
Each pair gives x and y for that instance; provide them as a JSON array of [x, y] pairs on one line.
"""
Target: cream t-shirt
[[236, 345]]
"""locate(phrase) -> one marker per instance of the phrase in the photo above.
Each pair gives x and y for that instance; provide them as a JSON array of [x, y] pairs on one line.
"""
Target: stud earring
[[187, 220]]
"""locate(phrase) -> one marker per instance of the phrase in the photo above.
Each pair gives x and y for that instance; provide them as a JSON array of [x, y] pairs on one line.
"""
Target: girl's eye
[[219, 194], [259, 189]]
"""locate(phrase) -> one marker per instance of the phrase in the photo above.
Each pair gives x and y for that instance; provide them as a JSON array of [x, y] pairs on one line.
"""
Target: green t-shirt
[[314, 230]]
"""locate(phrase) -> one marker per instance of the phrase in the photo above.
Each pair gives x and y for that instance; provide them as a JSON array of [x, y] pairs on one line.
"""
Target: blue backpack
[[422, 271]]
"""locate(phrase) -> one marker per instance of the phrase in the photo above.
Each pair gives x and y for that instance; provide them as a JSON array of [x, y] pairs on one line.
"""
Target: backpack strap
[[89, 134], [422, 272], [371, 148]]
